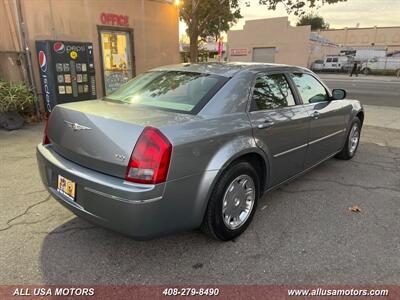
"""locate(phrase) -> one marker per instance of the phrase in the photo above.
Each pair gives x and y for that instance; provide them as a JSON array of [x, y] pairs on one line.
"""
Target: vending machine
[[67, 71]]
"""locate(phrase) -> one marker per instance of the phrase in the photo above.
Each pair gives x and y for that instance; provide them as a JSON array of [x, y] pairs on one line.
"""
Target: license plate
[[66, 187]]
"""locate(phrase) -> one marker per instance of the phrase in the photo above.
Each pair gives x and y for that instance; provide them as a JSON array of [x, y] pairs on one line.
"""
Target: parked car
[[389, 65], [194, 145], [317, 65]]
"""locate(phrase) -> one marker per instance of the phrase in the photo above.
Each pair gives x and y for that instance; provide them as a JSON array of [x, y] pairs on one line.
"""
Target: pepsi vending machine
[[66, 72]]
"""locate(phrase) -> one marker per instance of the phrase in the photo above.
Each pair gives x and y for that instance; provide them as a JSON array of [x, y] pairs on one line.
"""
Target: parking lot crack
[[301, 191], [8, 223], [351, 185], [18, 157], [71, 229], [34, 192], [382, 166]]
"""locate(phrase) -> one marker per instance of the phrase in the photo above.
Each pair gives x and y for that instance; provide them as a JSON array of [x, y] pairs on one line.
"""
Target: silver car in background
[[193, 146]]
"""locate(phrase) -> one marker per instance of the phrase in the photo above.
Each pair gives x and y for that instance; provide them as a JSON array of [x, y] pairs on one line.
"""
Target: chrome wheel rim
[[238, 201], [354, 138]]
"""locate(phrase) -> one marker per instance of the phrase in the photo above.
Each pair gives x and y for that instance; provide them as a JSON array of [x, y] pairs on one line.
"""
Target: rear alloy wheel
[[238, 201], [352, 141], [233, 202]]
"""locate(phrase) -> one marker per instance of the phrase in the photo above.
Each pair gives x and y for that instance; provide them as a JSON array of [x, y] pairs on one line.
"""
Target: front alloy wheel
[[352, 141], [354, 138]]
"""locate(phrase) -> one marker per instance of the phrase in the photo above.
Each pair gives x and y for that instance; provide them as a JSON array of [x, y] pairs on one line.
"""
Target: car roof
[[227, 69]]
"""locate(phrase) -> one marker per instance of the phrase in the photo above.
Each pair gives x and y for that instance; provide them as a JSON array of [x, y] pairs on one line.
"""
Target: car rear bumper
[[141, 211]]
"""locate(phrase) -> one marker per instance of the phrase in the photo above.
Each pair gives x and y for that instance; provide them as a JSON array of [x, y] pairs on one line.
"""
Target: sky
[[365, 12]]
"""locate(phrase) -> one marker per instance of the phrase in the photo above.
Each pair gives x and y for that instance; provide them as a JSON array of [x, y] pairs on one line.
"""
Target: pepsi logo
[[42, 61], [59, 47]]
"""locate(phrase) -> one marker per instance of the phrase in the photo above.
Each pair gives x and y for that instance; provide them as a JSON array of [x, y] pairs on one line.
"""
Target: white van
[[382, 64], [363, 55], [335, 63]]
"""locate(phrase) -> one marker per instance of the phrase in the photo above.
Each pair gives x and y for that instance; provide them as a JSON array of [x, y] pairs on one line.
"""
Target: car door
[[280, 125], [326, 118]]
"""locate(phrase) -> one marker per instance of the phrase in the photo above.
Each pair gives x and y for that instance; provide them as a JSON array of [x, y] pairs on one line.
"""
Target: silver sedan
[[193, 146]]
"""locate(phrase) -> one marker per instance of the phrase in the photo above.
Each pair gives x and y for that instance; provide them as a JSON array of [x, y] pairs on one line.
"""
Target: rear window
[[178, 91]]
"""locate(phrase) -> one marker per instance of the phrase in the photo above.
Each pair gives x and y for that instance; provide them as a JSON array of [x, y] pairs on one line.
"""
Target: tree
[[315, 21], [211, 17], [207, 18], [297, 7]]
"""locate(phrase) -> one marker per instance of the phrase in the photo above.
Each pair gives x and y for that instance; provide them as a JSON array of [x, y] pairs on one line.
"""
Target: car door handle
[[265, 124], [315, 115]]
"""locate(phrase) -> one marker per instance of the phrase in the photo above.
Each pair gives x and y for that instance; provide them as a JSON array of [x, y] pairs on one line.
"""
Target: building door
[[264, 55], [117, 59]]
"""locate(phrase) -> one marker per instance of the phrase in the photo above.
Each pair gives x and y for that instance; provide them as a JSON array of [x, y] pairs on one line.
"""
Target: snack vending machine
[[67, 72]]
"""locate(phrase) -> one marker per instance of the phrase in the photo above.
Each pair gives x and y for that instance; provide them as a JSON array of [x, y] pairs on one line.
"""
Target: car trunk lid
[[101, 135]]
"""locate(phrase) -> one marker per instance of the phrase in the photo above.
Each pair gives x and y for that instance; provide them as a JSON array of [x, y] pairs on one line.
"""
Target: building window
[[116, 51]]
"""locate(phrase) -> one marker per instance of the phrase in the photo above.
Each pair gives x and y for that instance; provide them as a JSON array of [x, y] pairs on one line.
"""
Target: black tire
[[213, 223], [346, 154], [366, 71]]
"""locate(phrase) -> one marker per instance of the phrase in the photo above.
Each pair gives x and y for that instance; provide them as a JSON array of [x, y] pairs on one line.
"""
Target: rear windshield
[[178, 91]]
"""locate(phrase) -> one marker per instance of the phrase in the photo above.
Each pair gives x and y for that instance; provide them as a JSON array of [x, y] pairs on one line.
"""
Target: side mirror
[[338, 94]]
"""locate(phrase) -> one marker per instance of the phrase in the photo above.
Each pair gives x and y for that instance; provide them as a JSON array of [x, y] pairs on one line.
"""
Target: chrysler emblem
[[76, 126]]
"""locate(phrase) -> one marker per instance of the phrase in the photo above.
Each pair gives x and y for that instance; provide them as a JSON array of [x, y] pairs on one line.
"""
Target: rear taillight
[[150, 158], [46, 139]]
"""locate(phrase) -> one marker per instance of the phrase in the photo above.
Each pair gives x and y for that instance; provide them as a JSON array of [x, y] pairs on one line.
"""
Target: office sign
[[114, 19]]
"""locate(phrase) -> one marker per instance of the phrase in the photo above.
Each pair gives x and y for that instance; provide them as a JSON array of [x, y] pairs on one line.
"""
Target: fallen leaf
[[355, 208]]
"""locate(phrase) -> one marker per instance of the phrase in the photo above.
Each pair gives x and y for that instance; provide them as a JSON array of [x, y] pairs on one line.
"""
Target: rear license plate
[[66, 187]]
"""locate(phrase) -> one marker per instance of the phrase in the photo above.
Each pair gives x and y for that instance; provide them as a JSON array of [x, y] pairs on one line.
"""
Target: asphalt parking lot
[[303, 233]]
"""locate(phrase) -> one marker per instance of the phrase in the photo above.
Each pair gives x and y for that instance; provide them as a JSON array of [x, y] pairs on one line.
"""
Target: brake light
[[46, 139], [150, 158]]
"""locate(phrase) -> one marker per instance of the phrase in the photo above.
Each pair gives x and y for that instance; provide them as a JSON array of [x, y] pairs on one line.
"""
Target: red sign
[[238, 52], [114, 19]]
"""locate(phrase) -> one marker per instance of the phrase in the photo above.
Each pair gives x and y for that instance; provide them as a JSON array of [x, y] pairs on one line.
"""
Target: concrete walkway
[[363, 77], [382, 116]]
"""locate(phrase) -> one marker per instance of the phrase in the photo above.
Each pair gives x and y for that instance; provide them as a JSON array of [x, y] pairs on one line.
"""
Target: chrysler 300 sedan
[[193, 146]]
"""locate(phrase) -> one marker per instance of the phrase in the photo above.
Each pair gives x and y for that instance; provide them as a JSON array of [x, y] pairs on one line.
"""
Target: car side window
[[271, 92], [335, 59], [310, 89], [329, 60]]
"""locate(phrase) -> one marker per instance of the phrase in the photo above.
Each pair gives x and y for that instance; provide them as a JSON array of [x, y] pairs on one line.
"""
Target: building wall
[[291, 43], [379, 37], [155, 26], [320, 51], [9, 44]]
